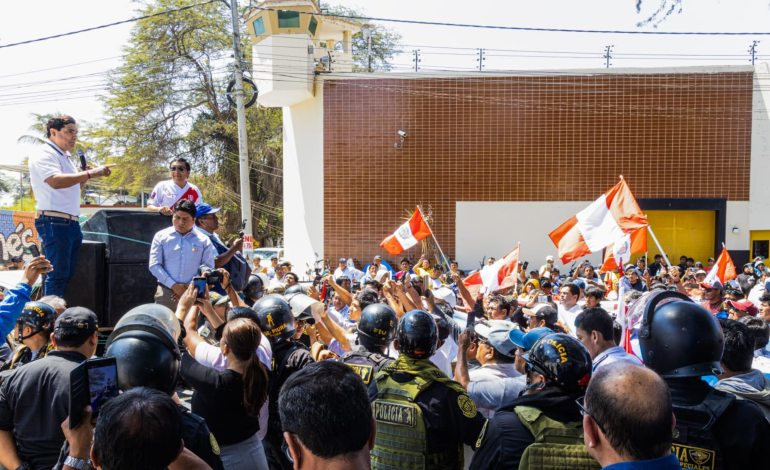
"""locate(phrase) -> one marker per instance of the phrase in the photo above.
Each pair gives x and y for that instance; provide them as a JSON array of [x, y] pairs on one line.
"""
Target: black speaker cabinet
[[123, 231], [128, 285], [86, 286]]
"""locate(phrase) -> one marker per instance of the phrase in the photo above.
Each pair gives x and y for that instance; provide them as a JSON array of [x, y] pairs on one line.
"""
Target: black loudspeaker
[[86, 286], [123, 233], [128, 286]]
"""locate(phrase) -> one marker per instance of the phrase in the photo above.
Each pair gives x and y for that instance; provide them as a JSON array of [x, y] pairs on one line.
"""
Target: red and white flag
[[408, 235], [603, 222], [723, 270], [618, 254], [504, 273]]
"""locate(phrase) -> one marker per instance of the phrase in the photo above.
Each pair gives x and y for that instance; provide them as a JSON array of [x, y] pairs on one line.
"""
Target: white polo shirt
[[167, 193], [49, 161]]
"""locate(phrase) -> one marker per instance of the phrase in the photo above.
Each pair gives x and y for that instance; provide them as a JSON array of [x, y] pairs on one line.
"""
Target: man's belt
[[62, 215]]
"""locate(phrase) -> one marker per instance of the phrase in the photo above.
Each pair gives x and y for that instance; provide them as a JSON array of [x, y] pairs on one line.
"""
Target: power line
[[522, 28], [131, 20]]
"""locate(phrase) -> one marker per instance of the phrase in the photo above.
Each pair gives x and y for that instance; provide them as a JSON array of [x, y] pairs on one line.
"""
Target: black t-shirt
[[288, 358], [742, 431], [34, 401], [218, 398], [506, 438], [445, 423]]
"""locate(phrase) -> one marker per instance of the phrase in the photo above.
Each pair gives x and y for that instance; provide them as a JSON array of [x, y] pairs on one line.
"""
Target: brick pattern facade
[[523, 138]]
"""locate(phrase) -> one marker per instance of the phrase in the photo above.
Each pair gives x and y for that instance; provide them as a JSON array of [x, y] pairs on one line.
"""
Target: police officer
[[682, 341], [147, 355], [33, 333], [558, 369], [376, 329], [277, 323], [423, 417], [254, 288]]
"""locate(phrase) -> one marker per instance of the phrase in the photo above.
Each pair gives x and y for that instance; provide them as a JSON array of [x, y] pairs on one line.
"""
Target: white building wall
[[494, 228], [759, 196], [303, 188], [737, 216]]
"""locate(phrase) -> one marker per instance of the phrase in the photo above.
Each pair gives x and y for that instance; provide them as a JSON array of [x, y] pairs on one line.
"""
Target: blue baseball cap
[[343, 260], [205, 209], [527, 340]]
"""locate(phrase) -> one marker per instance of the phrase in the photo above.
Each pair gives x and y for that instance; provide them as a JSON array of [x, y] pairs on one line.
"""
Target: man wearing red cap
[[741, 308]]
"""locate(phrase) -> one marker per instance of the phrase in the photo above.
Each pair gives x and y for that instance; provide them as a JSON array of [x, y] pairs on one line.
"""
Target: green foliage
[[384, 43], [168, 100], [37, 131], [666, 9]]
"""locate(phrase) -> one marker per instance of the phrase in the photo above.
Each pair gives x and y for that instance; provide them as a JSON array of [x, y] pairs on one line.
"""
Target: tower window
[[259, 26], [313, 26], [288, 19]]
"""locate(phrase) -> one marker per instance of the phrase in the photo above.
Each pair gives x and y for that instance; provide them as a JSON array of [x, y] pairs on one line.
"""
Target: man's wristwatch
[[76, 463]]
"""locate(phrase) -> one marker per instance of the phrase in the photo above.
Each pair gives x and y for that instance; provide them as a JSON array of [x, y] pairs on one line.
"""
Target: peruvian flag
[[723, 270], [414, 230], [605, 221], [618, 254], [501, 275]]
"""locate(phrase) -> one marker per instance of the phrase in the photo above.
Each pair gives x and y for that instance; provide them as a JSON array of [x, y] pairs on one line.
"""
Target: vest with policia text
[[366, 364], [22, 355], [693, 441], [402, 441], [557, 444]]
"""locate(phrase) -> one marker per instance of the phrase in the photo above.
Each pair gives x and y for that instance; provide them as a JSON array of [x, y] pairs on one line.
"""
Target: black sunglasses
[[584, 411], [177, 168]]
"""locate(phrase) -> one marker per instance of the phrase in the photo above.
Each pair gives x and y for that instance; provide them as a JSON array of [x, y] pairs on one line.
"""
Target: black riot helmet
[[39, 316], [678, 337], [255, 286], [275, 318], [417, 334], [295, 289], [145, 348], [377, 325], [563, 361]]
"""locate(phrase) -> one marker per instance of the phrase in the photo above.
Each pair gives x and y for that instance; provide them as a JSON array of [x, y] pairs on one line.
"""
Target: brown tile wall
[[563, 138]]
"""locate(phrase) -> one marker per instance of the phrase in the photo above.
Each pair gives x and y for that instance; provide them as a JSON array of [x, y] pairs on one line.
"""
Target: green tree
[[168, 100], [384, 43], [665, 9]]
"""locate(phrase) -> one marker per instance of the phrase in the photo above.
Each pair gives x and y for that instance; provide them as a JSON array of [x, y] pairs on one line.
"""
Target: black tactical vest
[[365, 363], [693, 439]]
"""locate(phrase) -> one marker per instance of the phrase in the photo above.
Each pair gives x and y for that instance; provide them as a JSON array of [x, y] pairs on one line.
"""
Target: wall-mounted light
[[402, 136], [735, 230]]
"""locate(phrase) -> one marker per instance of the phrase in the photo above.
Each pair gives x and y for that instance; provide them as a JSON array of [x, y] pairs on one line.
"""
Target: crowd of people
[[243, 367]]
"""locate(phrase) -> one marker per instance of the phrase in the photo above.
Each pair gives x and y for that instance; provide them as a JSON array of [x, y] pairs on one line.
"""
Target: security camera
[[402, 133]]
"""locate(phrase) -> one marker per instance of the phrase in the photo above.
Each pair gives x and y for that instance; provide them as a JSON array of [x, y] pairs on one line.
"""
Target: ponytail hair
[[243, 336]]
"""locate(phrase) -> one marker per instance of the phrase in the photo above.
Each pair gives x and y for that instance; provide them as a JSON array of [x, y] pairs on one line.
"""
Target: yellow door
[[760, 243], [689, 233]]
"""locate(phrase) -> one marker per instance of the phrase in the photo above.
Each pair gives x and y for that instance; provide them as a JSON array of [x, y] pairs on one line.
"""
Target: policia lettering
[[694, 458]]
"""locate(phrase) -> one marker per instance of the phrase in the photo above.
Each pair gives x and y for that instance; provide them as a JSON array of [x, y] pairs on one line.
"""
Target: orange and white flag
[[501, 275], [603, 222], [408, 235], [618, 254], [723, 270]]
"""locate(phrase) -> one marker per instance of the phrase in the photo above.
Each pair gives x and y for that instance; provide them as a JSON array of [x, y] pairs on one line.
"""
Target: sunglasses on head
[[177, 168]]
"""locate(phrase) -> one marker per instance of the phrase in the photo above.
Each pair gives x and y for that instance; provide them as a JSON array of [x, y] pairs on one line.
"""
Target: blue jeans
[[61, 240]]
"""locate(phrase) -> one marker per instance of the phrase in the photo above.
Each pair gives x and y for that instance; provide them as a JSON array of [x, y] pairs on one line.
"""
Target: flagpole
[[662, 251], [443, 257]]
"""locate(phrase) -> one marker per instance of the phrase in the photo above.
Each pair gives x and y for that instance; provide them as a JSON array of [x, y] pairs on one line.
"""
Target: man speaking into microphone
[[56, 183]]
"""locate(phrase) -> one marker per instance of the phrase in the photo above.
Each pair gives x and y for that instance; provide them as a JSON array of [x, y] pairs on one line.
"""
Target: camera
[[213, 277], [402, 133]]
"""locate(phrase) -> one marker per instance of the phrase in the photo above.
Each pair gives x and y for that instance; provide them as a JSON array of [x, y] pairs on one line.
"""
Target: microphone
[[82, 156]]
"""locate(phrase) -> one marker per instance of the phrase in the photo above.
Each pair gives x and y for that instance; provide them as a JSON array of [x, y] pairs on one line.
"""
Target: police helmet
[[255, 286], [417, 334], [295, 289], [144, 344], [377, 325], [275, 318], [39, 316], [563, 361], [678, 337]]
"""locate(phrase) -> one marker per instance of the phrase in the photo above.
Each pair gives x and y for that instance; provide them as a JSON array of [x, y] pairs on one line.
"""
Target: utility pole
[[481, 59], [753, 51], [416, 59], [243, 144], [608, 55]]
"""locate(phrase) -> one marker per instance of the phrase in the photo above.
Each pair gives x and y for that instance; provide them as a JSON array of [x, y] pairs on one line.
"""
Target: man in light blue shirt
[[176, 254]]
